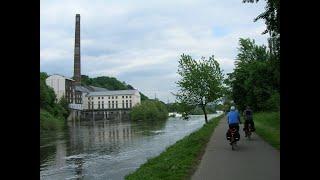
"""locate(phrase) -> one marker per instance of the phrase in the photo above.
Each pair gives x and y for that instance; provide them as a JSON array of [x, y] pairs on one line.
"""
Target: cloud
[[140, 42]]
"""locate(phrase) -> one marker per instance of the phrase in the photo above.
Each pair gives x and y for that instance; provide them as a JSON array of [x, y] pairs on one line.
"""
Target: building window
[[102, 106], [122, 103], [109, 105], [116, 97], [116, 104], [130, 104], [129, 96], [123, 97], [126, 96], [126, 103], [98, 97], [92, 106], [99, 106], [112, 97], [108, 97], [102, 97]]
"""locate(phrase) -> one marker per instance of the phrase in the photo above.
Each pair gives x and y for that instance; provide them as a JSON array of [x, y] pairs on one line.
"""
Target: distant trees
[[149, 110], [110, 83], [200, 83]]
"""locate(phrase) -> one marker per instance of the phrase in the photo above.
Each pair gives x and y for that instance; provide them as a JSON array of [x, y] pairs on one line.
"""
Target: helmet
[[232, 108]]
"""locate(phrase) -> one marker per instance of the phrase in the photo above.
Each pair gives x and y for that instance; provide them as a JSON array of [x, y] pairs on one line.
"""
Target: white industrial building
[[62, 86], [120, 99], [90, 97]]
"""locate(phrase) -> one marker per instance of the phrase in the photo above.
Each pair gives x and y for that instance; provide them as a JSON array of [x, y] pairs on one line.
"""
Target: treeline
[[255, 80], [109, 83], [149, 110], [256, 77], [52, 112], [176, 107]]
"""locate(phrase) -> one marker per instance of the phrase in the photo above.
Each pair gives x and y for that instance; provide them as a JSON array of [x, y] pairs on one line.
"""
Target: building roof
[[116, 92], [61, 76], [98, 88], [84, 88], [81, 88]]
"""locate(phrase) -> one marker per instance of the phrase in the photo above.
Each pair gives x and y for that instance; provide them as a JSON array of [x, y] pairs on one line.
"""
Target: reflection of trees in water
[[46, 153], [146, 127]]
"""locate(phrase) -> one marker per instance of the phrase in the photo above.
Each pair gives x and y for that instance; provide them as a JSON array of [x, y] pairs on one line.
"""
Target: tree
[[272, 20], [200, 83], [47, 95], [149, 110], [253, 81]]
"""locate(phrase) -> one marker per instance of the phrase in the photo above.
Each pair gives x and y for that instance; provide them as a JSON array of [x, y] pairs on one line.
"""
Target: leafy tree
[[271, 16], [47, 95], [200, 83], [253, 81], [149, 110]]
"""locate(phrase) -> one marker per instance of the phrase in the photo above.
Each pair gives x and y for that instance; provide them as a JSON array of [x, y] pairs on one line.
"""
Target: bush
[[273, 103], [149, 110], [49, 122]]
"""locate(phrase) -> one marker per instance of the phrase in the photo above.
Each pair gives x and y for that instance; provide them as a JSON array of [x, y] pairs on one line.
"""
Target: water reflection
[[107, 149]]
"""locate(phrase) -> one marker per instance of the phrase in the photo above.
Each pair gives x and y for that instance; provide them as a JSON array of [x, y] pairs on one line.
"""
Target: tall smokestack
[[77, 64]]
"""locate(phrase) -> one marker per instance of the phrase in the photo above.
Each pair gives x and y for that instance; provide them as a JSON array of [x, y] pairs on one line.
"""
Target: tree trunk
[[205, 113]]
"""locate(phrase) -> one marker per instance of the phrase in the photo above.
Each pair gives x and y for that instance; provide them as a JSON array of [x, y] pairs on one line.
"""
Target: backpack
[[248, 114]]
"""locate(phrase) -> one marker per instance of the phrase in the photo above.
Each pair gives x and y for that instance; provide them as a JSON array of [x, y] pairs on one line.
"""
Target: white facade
[[58, 83], [120, 99], [94, 99]]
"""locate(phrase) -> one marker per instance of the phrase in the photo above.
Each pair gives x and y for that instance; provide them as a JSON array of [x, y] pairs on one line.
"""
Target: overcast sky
[[140, 42]]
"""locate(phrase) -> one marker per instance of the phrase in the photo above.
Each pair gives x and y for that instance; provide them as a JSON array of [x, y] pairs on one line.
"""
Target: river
[[108, 149]]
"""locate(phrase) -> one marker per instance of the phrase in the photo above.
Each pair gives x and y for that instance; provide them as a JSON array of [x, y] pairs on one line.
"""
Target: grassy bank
[[268, 127], [48, 122], [179, 160]]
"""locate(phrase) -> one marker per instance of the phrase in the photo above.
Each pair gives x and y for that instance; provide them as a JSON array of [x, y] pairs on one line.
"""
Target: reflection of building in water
[[61, 153], [96, 133]]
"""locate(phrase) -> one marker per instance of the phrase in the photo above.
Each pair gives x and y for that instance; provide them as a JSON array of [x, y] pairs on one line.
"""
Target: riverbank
[[49, 122], [268, 127], [179, 160]]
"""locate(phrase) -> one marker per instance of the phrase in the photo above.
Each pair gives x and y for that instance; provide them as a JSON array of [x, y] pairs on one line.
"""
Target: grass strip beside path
[[179, 160], [268, 127]]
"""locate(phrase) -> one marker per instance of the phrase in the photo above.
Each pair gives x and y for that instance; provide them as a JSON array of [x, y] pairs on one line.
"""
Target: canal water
[[108, 149]]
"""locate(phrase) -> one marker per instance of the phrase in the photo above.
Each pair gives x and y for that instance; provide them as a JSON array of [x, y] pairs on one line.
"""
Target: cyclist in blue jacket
[[233, 118]]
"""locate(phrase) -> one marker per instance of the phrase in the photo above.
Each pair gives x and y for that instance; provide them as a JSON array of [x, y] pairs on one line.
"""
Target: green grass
[[179, 160], [268, 127]]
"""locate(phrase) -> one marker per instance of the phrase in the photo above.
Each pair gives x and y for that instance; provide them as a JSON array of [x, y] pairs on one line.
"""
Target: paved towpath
[[254, 159]]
